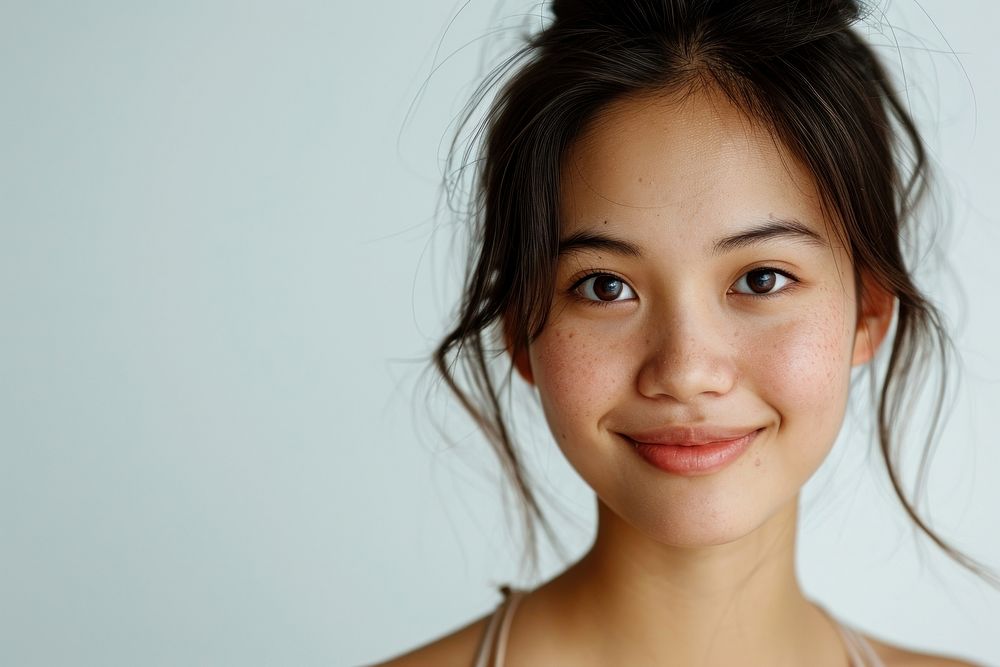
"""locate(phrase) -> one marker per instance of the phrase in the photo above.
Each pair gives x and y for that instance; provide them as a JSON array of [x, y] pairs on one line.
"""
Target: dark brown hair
[[798, 67]]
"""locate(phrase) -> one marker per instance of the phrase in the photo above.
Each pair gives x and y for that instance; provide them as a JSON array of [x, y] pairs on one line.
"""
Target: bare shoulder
[[895, 656], [457, 649]]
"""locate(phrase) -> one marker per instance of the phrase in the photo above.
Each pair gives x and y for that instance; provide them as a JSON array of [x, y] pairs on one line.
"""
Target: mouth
[[689, 451]]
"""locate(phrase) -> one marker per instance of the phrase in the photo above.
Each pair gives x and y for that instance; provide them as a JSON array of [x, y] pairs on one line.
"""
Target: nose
[[687, 355]]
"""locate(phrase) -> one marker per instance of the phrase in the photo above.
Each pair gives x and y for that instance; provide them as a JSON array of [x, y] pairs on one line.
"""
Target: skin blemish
[[756, 463]]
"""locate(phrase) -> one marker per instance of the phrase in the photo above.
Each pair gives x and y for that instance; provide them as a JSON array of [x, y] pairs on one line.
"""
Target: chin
[[704, 520]]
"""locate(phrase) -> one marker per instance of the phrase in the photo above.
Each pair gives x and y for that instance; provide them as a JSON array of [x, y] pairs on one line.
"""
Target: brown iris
[[761, 281], [607, 288]]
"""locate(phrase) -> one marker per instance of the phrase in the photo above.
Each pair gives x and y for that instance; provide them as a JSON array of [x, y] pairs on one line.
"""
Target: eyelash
[[593, 273]]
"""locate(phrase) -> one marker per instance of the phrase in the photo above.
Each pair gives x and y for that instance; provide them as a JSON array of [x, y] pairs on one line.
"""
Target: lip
[[691, 451], [688, 436]]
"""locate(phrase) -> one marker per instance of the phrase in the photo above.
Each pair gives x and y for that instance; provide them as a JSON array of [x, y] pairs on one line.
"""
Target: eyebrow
[[789, 228], [591, 241]]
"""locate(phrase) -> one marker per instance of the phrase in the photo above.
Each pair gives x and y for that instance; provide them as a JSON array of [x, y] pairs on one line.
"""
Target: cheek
[[578, 373], [810, 361], [805, 373]]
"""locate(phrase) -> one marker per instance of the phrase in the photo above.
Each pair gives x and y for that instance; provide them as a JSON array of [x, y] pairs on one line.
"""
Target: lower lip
[[691, 460]]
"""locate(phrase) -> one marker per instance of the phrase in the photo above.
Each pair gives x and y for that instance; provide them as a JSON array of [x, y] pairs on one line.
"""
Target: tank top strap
[[494, 640], [860, 651]]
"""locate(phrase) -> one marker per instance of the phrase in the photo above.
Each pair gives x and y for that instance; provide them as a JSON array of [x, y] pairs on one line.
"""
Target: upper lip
[[689, 436]]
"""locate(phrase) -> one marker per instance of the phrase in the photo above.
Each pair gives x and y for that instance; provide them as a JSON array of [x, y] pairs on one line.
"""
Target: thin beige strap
[[854, 658], [486, 642], [514, 598], [869, 656], [859, 650]]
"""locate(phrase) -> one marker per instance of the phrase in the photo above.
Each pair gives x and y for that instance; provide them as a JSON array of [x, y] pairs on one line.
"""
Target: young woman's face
[[695, 365]]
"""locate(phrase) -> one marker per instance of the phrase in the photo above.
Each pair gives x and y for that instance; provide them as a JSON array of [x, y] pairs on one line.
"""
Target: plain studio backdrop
[[223, 262]]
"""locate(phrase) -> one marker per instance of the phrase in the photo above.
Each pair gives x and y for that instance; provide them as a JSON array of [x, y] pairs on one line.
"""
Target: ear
[[875, 311], [522, 362]]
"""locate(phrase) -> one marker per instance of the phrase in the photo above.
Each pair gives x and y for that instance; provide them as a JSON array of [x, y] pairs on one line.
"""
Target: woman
[[692, 216]]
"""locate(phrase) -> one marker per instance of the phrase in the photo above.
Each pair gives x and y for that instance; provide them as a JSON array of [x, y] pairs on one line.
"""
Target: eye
[[604, 287], [762, 282]]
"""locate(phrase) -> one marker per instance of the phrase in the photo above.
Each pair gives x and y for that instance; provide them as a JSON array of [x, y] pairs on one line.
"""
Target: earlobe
[[519, 357], [522, 363], [874, 319]]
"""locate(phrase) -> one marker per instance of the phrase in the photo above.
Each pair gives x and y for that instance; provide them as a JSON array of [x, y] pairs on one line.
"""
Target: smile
[[691, 457]]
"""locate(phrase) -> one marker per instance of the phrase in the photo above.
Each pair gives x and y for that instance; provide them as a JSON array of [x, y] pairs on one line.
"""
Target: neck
[[642, 602]]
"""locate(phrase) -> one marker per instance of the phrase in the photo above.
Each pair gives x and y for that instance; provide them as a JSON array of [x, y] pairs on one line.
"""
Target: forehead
[[694, 163]]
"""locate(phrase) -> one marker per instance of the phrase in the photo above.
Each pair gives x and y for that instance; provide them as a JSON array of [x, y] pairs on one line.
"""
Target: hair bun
[[570, 10], [825, 15]]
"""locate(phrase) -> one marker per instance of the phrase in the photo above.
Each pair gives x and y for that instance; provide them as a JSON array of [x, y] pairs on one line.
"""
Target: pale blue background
[[216, 272]]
